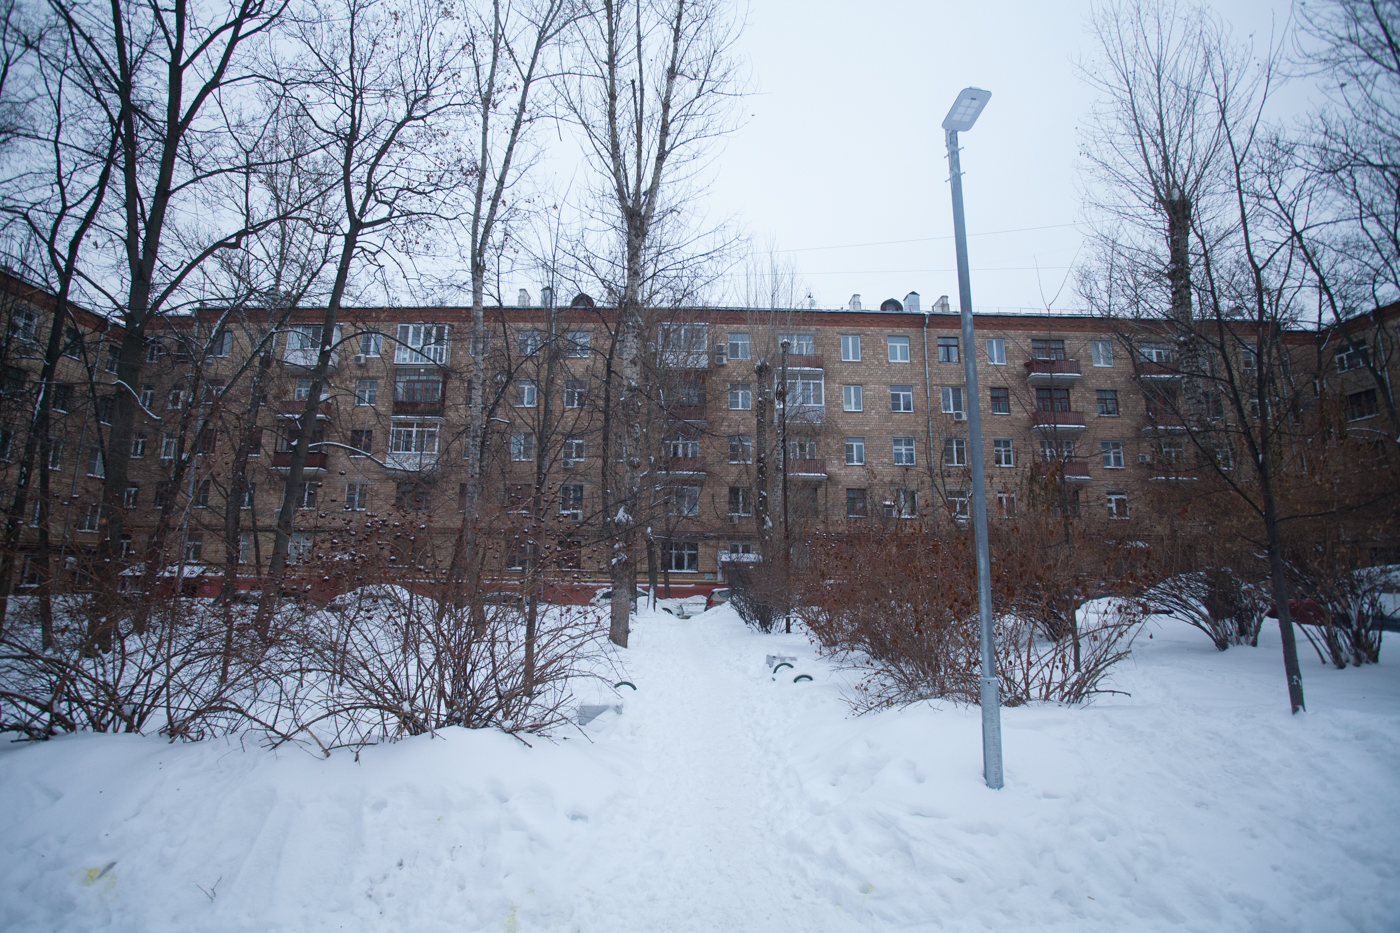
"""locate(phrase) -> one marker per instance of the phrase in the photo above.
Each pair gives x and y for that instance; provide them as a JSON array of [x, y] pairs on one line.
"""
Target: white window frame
[[897, 349], [1101, 352], [580, 344], [799, 344], [690, 556], [904, 450], [522, 447], [953, 399], [683, 344], [526, 393], [1112, 453], [850, 348], [571, 500], [740, 347], [1117, 503], [903, 393], [743, 443], [1003, 452], [366, 392], [996, 351], [356, 497], [422, 343], [853, 398], [371, 344], [574, 392], [955, 451], [855, 451], [685, 501], [741, 396]]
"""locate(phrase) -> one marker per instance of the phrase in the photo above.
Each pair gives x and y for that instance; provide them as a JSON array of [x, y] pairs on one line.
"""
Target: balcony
[[316, 461], [804, 361], [807, 469], [683, 465], [689, 412], [1058, 422], [1052, 372], [1163, 424], [422, 409], [305, 358], [294, 410], [415, 462], [1148, 369], [1069, 471], [800, 414]]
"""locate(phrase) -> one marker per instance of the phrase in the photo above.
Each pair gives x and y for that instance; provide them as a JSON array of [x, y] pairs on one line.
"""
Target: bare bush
[[1227, 609], [903, 607], [759, 591]]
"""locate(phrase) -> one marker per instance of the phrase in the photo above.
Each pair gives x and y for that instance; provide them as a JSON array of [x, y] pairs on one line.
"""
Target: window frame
[[902, 393], [895, 345], [850, 348], [853, 397]]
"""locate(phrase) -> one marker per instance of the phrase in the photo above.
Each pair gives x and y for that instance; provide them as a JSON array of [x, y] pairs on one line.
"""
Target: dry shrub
[[1226, 608], [759, 591], [903, 606]]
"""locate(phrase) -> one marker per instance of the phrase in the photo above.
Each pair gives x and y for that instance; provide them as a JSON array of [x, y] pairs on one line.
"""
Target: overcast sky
[[841, 160]]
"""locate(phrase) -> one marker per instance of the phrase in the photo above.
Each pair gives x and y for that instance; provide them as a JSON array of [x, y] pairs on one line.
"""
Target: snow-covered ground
[[722, 798]]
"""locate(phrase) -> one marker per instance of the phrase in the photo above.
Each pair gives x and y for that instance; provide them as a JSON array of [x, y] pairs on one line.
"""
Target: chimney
[[547, 297], [941, 305], [524, 300], [911, 302], [855, 302]]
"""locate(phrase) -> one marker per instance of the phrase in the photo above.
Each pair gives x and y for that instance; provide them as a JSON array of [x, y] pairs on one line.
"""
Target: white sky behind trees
[[840, 145]]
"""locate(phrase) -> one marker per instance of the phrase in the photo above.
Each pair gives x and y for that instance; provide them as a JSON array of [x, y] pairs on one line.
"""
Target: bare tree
[[653, 86]]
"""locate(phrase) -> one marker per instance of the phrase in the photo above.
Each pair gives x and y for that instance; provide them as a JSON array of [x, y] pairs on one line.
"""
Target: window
[[570, 555], [571, 500], [307, 497], [7, 440], [855, 503], [56, 453], [24, 322], [573, 393], [72, 342], [363, 442], [578, 344], [901, 398], [855, 451], [952, 398], [356, 497], [1052, 451], [164, 489], [1000, 401], [850, 348], [806, 388], [1048, 349], [62, 398], [740, 396], [95, 464], [1215, 405], [948, 349], [1052, 399], [800, 344], [153, 351], [683, 556], [573, 451], [412, 497], [898, 348], [1112, 454], [250, 491], [685, 346], [1108, 402], [1006, 503], [12, 380], [740, 501], [853, 398], [1225, 457], [996, 351], [528, 342], [954, 451], [1002, 453], [1157, 353], [219, 346], [740, 547], [740, 448], [1352, 356], [1117, 505], [525, 393], [302, 392], [418, 385], [682, 445], [176, 398], [303, 344], [105, 405], [299, 547], [802, 448], [1172, 452], [114, 352], [371, 344], [903, 451], [366, 391], [958, 500], [194, 547], [1101, 351], [132, 496], [522, 446], [1362, 404], [201, 494], [739, 348], [905, 504], [685, 500], [422, 343], [245, 549]]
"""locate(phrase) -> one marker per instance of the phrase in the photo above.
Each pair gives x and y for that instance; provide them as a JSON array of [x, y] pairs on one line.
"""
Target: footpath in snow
[[723, 799]]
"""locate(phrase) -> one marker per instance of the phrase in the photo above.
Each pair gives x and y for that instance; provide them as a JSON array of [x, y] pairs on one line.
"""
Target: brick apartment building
[[875, 427]]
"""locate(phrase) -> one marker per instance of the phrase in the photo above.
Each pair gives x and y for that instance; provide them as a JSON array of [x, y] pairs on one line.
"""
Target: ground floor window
[[1117, 505], [683, 555]]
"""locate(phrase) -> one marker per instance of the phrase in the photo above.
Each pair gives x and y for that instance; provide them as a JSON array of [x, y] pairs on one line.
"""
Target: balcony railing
[[1070, 471], [807, 467], [422, 408], [316, 461], [295, 409], [804, 361], [1047, 372], [689, 412], [1062, 421], [416, 462], [683, 465], [1163, 423], [1149, 369]]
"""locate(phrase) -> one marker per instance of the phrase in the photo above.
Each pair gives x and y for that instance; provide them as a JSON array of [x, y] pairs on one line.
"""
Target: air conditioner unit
[[569, 464], [959, 416], [1144, 458], [360, 359], [721, 354]]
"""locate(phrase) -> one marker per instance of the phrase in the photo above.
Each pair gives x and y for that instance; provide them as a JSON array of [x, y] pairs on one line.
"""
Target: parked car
[[717, 597], [604, 596]]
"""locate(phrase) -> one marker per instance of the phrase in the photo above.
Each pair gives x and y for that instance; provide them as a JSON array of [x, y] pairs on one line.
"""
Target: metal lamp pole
[[961, 117], [783, 459]]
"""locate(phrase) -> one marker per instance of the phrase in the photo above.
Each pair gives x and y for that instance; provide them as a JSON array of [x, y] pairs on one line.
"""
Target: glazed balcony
[[418, 408]]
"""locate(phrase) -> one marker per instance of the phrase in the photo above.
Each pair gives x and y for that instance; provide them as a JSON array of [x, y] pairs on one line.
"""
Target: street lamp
[[785, 345], [966, 109]]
